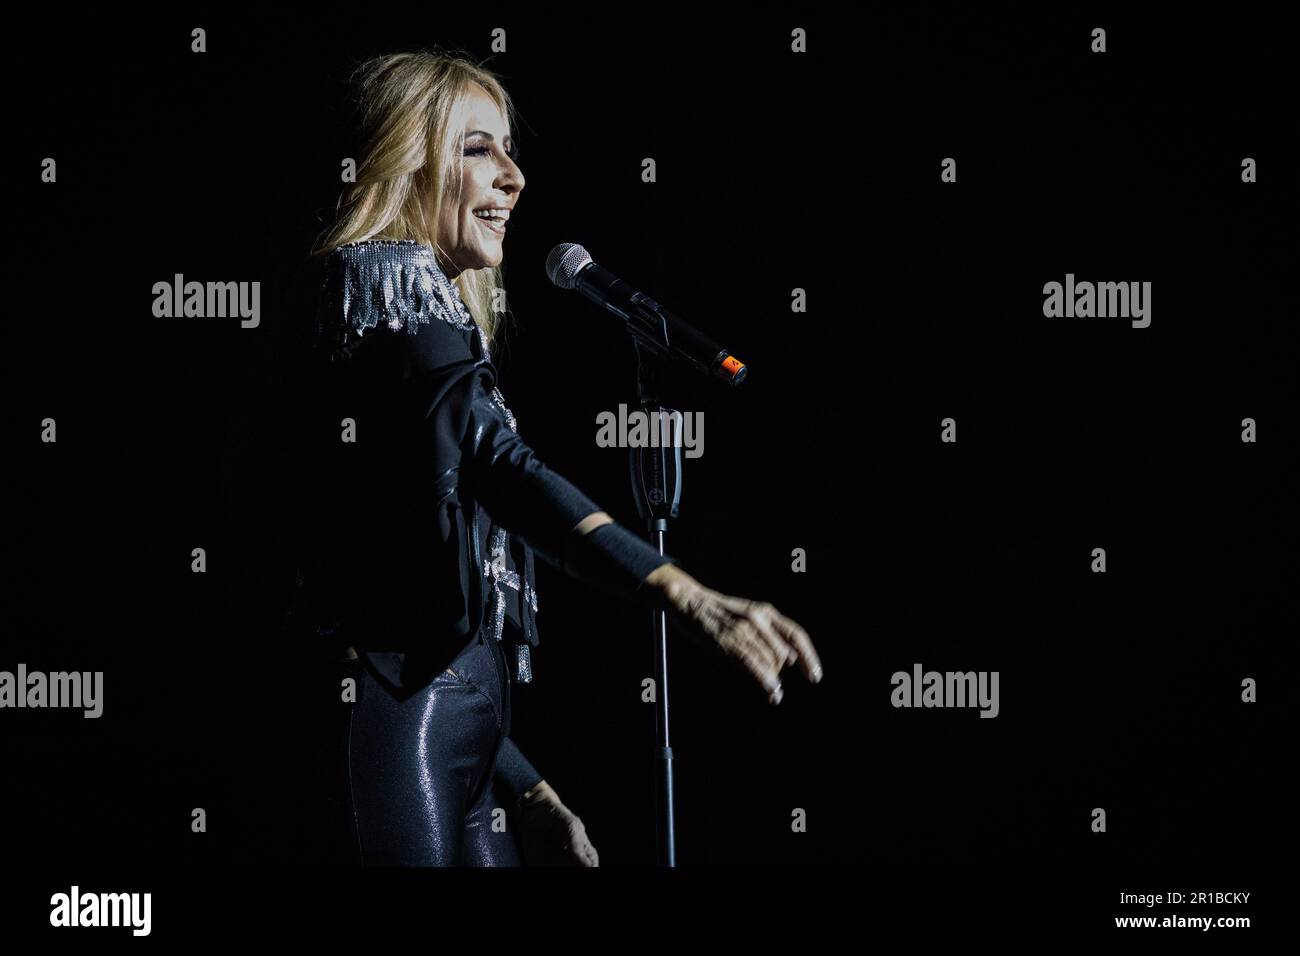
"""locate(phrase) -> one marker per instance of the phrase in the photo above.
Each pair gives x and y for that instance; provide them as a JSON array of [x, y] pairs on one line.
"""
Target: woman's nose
[[512, 177]]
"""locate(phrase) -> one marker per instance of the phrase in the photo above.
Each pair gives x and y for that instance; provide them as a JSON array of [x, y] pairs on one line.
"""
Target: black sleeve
[[518, 489], [543, 507], [434, 378], [513, 770]]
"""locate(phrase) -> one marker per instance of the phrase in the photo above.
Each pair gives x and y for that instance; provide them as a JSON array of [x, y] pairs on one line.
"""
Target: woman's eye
[[512, 152]]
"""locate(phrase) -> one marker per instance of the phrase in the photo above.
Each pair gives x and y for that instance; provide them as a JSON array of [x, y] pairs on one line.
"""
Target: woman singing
[[427, 505]]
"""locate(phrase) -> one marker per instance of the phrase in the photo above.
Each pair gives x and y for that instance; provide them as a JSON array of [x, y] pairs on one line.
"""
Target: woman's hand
[[550, 834], [763, 639]]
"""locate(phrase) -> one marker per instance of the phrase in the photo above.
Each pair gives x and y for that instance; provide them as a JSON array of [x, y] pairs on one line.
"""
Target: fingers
[[764, 639], [786, 640], [798, 637], [580, 845], [762, 616], [587, 853], [758, 659]]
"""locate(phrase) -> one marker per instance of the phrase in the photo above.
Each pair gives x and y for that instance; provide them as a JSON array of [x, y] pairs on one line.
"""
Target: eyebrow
[[483, 132]]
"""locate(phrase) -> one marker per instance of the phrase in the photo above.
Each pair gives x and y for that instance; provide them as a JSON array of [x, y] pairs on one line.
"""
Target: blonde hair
[[409, 123]]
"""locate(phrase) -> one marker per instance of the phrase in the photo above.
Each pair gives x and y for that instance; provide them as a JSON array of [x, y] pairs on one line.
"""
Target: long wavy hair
[[409, 122]]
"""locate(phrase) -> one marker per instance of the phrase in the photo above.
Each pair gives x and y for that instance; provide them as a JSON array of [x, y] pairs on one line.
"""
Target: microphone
[[570, 266]]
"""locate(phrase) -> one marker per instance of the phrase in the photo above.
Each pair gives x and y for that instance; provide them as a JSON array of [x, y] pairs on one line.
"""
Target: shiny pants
[[419, 771]]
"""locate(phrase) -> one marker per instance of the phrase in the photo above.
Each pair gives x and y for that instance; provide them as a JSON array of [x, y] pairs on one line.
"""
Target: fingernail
[[817, 674], [777, 695]]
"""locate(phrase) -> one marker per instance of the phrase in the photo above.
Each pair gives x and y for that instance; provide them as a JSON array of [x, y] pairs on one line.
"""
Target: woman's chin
[[491, 258]]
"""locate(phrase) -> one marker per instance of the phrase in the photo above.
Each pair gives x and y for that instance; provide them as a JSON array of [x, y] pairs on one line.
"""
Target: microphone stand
[[657, 489]]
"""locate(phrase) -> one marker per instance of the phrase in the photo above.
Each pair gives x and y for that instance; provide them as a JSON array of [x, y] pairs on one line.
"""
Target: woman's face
[[489, 186]]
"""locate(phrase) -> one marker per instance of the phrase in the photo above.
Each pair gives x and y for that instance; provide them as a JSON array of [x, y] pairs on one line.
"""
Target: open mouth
[[494, 220]]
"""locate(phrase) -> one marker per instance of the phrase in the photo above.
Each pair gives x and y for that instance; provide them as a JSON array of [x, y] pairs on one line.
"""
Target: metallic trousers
[[419, 771]]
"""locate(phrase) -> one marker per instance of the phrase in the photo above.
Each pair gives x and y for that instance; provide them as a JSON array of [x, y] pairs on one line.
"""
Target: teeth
[[500, 215]]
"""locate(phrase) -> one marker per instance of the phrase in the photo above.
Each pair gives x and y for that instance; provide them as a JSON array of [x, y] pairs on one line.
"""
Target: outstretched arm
[[557, 519], [561, 523], [573, 533]]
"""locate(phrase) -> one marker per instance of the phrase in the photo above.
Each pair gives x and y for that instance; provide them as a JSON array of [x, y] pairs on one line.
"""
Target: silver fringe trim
[[393, 281], [495, 571]]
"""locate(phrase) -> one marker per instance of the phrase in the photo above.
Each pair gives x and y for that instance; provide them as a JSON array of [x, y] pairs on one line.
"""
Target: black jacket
[[410, 443], [414, 471]]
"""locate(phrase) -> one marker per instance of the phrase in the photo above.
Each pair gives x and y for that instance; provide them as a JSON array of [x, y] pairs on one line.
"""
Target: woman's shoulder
[[391, 283]]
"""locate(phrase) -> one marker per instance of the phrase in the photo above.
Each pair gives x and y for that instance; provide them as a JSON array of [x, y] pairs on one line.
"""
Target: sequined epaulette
[[393, 281]]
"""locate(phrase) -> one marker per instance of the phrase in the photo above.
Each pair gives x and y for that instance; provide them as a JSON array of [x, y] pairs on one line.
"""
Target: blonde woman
[[428, 505]]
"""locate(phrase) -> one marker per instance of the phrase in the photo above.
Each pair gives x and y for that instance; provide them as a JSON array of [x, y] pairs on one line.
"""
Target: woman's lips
[[497, 227]]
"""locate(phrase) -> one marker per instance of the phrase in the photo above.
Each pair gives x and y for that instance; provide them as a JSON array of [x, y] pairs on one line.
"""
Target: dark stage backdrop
[[776, 171]]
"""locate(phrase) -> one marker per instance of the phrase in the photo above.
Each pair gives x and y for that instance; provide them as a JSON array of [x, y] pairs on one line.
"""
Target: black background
[[775, 171]]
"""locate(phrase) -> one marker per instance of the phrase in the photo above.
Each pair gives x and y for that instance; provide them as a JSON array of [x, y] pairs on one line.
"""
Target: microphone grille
[[565, 262]]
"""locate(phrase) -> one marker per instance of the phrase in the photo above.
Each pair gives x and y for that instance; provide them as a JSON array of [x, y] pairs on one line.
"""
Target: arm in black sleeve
[[470, 441], [542, 506], [514, 771]]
